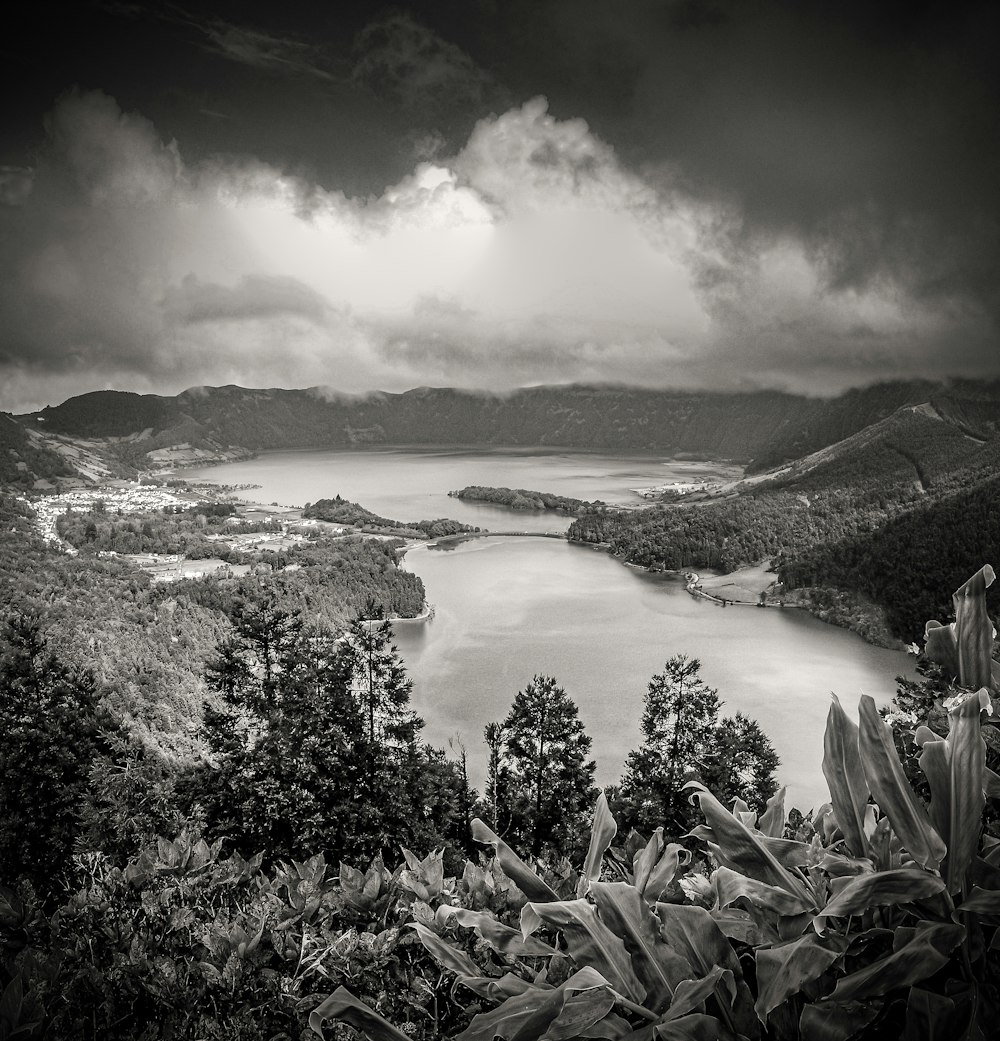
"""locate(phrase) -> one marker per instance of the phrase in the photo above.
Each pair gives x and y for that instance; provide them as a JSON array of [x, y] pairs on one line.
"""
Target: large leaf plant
[[878, 920]]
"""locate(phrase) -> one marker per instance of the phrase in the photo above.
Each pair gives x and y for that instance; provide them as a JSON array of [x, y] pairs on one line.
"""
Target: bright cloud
[[532, 255]]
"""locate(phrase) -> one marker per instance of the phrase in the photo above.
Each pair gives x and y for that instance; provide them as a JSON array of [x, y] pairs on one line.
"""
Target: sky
[[726, 194]]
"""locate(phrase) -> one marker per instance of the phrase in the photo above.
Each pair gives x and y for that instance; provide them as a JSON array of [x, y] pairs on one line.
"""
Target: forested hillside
[[340, 511], [147, 642], [23, 461], [898, 508], [762, 428], [906, 562]]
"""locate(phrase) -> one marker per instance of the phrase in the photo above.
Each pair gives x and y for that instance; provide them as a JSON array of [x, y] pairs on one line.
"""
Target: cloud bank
[[531, 255]]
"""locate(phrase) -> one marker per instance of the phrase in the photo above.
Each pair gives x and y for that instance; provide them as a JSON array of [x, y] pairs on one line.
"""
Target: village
[[274, 527]]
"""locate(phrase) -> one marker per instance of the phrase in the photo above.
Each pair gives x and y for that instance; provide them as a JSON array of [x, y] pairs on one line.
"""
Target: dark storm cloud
[[674, 191], [870, 131], [288, 53], [283, 54], [400, 58]]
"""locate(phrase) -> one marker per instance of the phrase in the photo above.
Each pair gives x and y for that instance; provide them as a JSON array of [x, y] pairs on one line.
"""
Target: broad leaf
[[785, 970], [737, 925], [982, 901], [967, 760], [843, 773], [924, 953], [825, 1022], [974, 630], [446, 955], [772, 820], [659, 968], [497, 990], [514, 1013], [692, 994], [513, 866], [602, 833], [579, 1003], [505, 939], [695, 1027], [538, 1009], [11, 1001], [858, 893], [342, 1004], [693, 933], [941, 646], [954, 770], [730, 885], [654, 866], [747, 851], [892, 791], [579, 1013], [936, 767], [591, 943], [930, 1017]]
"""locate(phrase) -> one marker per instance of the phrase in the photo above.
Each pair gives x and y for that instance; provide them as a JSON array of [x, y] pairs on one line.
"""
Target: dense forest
[[22, 461]]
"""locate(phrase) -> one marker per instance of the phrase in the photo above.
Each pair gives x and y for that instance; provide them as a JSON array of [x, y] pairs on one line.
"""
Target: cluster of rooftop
[[134, 498]]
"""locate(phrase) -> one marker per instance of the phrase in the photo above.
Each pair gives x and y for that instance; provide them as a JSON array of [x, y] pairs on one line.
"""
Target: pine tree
[[683, 740], [51, 730], [678, 725], [551, 778], [316, 746], [286, 779], [497, 778], [379, 683]]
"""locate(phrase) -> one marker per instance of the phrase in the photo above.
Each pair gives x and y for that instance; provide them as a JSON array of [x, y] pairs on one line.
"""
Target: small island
[[341, 511], [523, 499]]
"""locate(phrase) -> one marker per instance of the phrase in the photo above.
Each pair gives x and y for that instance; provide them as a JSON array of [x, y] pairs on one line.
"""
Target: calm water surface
[[411, 484], [509, 608]]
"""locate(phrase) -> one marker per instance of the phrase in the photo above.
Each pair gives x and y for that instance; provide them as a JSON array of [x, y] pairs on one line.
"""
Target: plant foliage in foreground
[[879, 919]]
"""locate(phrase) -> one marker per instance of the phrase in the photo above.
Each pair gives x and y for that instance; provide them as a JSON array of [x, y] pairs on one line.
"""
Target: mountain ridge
[[760, 429]]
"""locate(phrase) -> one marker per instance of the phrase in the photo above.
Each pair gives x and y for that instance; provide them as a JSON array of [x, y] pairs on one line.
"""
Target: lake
[[507, 608], [412, 484]]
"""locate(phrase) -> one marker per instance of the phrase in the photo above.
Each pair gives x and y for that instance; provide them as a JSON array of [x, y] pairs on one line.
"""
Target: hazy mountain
[[761, 429]]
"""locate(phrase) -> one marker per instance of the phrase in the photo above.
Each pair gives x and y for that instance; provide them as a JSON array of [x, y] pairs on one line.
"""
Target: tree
[[379, 683], [683, 741], [316, 745], [678, 723], [497, 778], [51, 730], [740, 763], [551, 778], [286, 780]]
